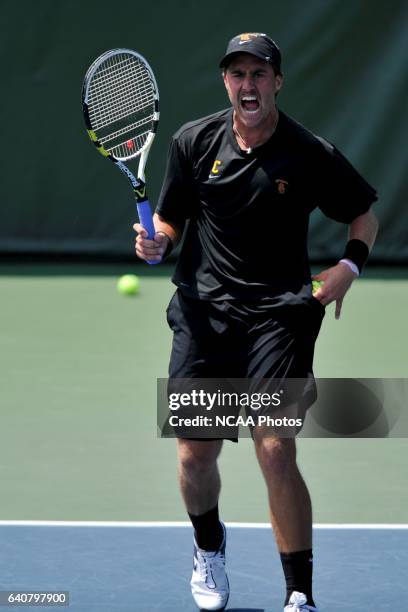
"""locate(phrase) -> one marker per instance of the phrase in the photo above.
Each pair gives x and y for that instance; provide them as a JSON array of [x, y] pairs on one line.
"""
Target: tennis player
[[241, 184]]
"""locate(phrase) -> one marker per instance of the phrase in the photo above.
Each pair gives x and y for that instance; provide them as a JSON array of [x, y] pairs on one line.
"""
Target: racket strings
[[114, 73], [126, 142], [129, 129], [121, 124], [122, 150], [120, 60], [107, 106], [105, 119], [137, 127], [119, 90]]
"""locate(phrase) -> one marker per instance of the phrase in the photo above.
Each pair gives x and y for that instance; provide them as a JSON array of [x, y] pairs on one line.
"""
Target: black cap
[[256, 44]]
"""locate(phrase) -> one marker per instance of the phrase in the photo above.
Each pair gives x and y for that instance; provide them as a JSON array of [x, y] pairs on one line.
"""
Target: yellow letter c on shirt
[[215, 166]]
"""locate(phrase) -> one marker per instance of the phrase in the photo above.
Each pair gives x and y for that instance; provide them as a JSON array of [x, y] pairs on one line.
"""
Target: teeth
[[249, 98]]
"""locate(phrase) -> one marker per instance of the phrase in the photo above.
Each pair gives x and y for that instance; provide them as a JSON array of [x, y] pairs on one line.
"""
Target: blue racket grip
[[146, 220]]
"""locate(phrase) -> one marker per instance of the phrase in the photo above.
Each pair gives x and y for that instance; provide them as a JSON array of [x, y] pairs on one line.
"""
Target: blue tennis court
[[139, 568]]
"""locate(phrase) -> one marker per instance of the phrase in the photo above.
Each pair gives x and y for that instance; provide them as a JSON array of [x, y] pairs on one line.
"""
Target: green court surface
[[78, 373]]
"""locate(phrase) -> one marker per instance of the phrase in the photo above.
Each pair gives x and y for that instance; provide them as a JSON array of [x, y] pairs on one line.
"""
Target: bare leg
[[200, 487], [289, 500], [199, 477]]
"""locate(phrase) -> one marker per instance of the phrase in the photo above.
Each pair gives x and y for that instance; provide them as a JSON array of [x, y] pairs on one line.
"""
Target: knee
[[197, 457], [276, 455]]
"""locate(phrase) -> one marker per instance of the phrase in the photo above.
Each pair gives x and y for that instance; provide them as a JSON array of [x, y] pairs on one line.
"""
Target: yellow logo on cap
[[248, 35]]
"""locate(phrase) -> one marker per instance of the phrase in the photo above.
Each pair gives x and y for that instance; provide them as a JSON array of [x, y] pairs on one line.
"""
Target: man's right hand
[[150, 250]]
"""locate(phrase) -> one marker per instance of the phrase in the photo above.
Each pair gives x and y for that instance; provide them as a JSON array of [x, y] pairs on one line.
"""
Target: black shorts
[[234, 339]]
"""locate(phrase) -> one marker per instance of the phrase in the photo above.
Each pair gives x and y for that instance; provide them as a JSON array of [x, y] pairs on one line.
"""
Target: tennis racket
[[120, 101]]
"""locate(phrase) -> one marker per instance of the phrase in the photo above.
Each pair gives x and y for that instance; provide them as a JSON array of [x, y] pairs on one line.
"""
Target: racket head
[[120, 102]]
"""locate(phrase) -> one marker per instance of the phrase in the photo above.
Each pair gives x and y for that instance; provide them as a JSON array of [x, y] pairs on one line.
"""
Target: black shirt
[[248, 213]]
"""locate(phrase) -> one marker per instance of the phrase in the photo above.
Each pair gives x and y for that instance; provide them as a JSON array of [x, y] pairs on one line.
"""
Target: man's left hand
[[337, 281]]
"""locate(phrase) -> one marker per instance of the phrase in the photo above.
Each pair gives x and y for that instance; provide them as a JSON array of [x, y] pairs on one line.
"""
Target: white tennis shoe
[[297, 603], [209, 582]]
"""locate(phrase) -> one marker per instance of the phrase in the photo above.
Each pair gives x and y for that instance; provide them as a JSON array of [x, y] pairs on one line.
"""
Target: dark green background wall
[[345, 70]]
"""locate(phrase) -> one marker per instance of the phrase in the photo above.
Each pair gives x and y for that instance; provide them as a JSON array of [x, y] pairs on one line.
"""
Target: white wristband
[[351, 265]]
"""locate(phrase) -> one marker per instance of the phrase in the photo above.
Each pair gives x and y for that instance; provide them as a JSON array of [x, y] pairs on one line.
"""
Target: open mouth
[[250, 104]]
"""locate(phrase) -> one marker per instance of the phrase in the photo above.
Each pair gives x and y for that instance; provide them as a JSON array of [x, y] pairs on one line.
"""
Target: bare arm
[[338, 279], [364, 228], [153, 250], [170, 229]]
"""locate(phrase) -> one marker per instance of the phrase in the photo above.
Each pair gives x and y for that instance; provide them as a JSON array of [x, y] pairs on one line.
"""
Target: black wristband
[[169, 246], [357, 251]]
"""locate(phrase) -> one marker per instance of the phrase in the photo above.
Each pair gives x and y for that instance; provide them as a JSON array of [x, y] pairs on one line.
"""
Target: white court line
[[139, 524]]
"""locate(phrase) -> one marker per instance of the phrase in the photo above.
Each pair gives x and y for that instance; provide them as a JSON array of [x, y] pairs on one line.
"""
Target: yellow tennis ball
[[129, 284], [316, 284]]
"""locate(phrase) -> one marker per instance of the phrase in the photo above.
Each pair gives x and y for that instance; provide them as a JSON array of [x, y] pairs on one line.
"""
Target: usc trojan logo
[[281, 185], [247, 36]]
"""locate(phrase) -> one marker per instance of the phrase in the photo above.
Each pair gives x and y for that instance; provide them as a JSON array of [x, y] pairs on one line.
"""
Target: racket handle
[[146, 220]]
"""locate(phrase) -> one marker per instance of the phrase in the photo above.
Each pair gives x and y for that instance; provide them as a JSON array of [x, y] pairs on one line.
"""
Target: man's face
[[252, 86]]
